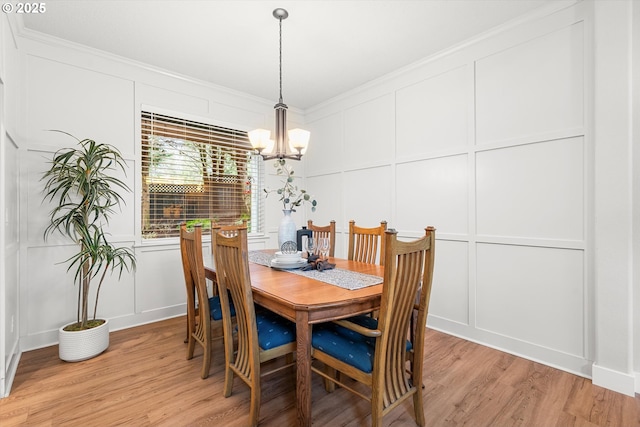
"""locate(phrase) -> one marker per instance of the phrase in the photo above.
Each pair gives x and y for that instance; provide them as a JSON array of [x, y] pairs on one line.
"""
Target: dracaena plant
[[290, 194], [81, 185]]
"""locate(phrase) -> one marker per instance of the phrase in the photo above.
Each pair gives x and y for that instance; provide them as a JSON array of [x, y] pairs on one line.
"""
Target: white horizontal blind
[[196, 172]]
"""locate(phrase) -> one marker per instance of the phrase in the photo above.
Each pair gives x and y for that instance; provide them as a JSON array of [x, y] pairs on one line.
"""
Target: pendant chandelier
[[298, 138]]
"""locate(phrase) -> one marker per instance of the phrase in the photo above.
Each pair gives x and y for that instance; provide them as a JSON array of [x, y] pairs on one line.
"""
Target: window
[[195, 172]]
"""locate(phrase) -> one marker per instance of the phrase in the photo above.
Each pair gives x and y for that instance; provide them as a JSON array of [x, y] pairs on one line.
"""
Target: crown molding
[[21, 32]]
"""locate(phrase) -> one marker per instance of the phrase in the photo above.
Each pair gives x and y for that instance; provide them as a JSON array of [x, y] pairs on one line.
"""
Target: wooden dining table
[[307, 301]]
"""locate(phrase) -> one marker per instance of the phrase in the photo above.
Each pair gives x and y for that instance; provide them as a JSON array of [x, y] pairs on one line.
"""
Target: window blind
[[196, 172]]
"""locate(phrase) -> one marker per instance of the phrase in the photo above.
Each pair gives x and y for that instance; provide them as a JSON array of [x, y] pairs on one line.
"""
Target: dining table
[[308, 299]]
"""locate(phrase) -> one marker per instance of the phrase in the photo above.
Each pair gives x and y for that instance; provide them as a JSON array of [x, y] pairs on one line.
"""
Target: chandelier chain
[[280, 60]]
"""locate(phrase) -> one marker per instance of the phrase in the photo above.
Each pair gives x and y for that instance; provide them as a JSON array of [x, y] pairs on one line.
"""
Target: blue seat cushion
[[274, 330], [356, 352], [215, 310], [346, 345]]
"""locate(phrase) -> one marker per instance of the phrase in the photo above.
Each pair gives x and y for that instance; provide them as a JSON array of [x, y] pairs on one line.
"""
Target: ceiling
[[329, 47]]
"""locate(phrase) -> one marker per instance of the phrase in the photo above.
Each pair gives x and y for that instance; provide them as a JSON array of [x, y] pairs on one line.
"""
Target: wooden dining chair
[[378, 357], [364, 243], [200, 326], [261, 334], [214, 290], [328, 231]]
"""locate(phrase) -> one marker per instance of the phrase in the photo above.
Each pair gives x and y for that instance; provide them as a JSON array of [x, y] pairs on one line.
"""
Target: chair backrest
[[232, 267], [364, 242], [325, 231], [408, 272], [195, 281], [227, 230]]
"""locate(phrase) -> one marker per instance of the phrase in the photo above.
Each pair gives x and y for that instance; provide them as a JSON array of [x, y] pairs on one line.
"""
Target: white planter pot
[[82, 345]]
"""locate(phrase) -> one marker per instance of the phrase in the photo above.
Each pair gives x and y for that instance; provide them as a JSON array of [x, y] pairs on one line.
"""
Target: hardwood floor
[[143, 379]]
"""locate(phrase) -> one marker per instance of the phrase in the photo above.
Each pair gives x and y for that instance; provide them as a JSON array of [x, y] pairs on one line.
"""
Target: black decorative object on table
[[302, 232], [315, 263]]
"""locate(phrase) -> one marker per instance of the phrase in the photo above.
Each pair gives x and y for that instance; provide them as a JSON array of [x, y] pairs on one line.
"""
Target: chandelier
[[298, 138]]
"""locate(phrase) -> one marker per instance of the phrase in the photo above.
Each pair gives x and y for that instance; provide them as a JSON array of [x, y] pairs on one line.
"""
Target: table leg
[[303, 368]]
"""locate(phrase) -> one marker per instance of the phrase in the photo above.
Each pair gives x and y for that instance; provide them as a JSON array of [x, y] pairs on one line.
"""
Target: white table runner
[[345, 279]]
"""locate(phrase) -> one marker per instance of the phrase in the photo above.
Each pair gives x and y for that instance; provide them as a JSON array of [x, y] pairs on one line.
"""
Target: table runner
[[345, 279]]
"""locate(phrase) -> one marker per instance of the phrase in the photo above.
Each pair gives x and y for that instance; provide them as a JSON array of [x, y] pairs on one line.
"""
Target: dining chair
[[214, 288], [377, 357], [199, 326], [364, 242], [261, 334], [328, 231]]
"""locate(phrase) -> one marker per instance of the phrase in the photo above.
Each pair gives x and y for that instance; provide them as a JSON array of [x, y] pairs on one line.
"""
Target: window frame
[[258, 203]]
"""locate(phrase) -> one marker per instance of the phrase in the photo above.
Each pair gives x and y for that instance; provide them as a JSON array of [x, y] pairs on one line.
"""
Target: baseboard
[[49, 338], [613, 380], [12, 368]]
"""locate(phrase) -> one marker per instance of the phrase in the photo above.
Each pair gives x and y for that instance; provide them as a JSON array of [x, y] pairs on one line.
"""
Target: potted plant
[[291, 197], [81, 185]]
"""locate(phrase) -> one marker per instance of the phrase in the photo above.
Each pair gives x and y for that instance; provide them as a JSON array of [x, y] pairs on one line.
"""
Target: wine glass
[[324, 244], [310, 245]]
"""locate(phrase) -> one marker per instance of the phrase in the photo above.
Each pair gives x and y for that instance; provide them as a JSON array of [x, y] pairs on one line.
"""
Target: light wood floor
[[143, 379]]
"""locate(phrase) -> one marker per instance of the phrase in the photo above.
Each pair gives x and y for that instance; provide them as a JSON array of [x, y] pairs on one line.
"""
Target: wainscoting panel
[[535, 190], [367, 198], [369, 132], [159, 265], [325, 153], [450, 292], [34, 163], [329, 192], [83, 103], [533, 294], [9, 249], [532, 88], [52, 302], [432, 115], [433, 192]]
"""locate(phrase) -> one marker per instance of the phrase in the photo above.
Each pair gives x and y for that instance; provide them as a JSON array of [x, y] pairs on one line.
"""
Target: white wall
[[93, 95], [635, 133], [613, 133], [10, 106], [493, 145]]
